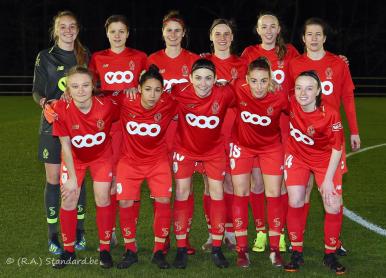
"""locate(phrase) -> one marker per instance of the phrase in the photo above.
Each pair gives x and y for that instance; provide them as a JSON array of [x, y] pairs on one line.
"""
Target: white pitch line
[[355, 217], [361, 221]]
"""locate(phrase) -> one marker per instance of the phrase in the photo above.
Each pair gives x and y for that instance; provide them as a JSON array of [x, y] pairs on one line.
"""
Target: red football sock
[[332, 227], [128, 227], [161, 225], [284, 202], [258, 210], [180, 218], [295, 227], [240, 219], [68, 219], [190, 212], [104, 216], [206, 206], [217, 218], [305, 214], [228, 198], [137, 206], [114, 211], [275, 223]]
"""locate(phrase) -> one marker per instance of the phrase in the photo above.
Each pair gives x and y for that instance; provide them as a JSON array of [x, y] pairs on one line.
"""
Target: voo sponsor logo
[[119, 77], [143, 129], [255, 119], [169, 83], [88, 140], [202, 121], [300, 137]]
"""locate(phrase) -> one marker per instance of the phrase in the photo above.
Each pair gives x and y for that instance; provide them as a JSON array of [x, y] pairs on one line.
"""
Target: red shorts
[[116, 142], [297, 172], [242, 161], [130, 176], [184, 168], [100, 170]]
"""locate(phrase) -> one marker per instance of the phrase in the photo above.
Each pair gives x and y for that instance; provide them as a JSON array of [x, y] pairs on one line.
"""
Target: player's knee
[[182, 193], [163, 200], [102, 200], [216, 192], [70, 202], [52, 178], [295, 202], [257, 187], [126, 203], [333, 207]]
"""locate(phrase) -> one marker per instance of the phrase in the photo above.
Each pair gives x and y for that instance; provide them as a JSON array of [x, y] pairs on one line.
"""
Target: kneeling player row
[[84, 124]]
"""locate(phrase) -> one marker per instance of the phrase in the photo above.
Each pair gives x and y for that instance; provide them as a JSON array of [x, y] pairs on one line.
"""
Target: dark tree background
[[357, 27]]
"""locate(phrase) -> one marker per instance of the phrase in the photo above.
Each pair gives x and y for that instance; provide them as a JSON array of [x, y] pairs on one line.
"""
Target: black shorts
[[49, 149]]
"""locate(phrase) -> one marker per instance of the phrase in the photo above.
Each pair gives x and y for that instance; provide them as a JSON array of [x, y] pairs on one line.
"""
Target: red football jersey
[[117, 71], [144, 130], [89, 133], [337, 85], [228, 70], [314, 134], [200, 120], [279, 68], [257, 125], [173, 70]]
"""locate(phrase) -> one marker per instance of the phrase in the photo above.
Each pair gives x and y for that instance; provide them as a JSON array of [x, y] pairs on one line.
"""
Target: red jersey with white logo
[[89, 133], [228, 70], [337, 85], [174, 70], [143, 129], [313, 135], [200, 121], [280, 68], [257, 125], [117, 71]]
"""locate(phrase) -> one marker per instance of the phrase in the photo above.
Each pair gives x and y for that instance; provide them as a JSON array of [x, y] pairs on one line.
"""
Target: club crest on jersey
[[215, 107], [60, 68], [329, 73], [162, 71], [131, 115], [131, 65], [100, 124], [280, 64], [310, 130], [243, 103], [234, 73], [157, 117], [105, 65], [185, 70], [270, 110], [291, 115], [75, 127], [337, 126]]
